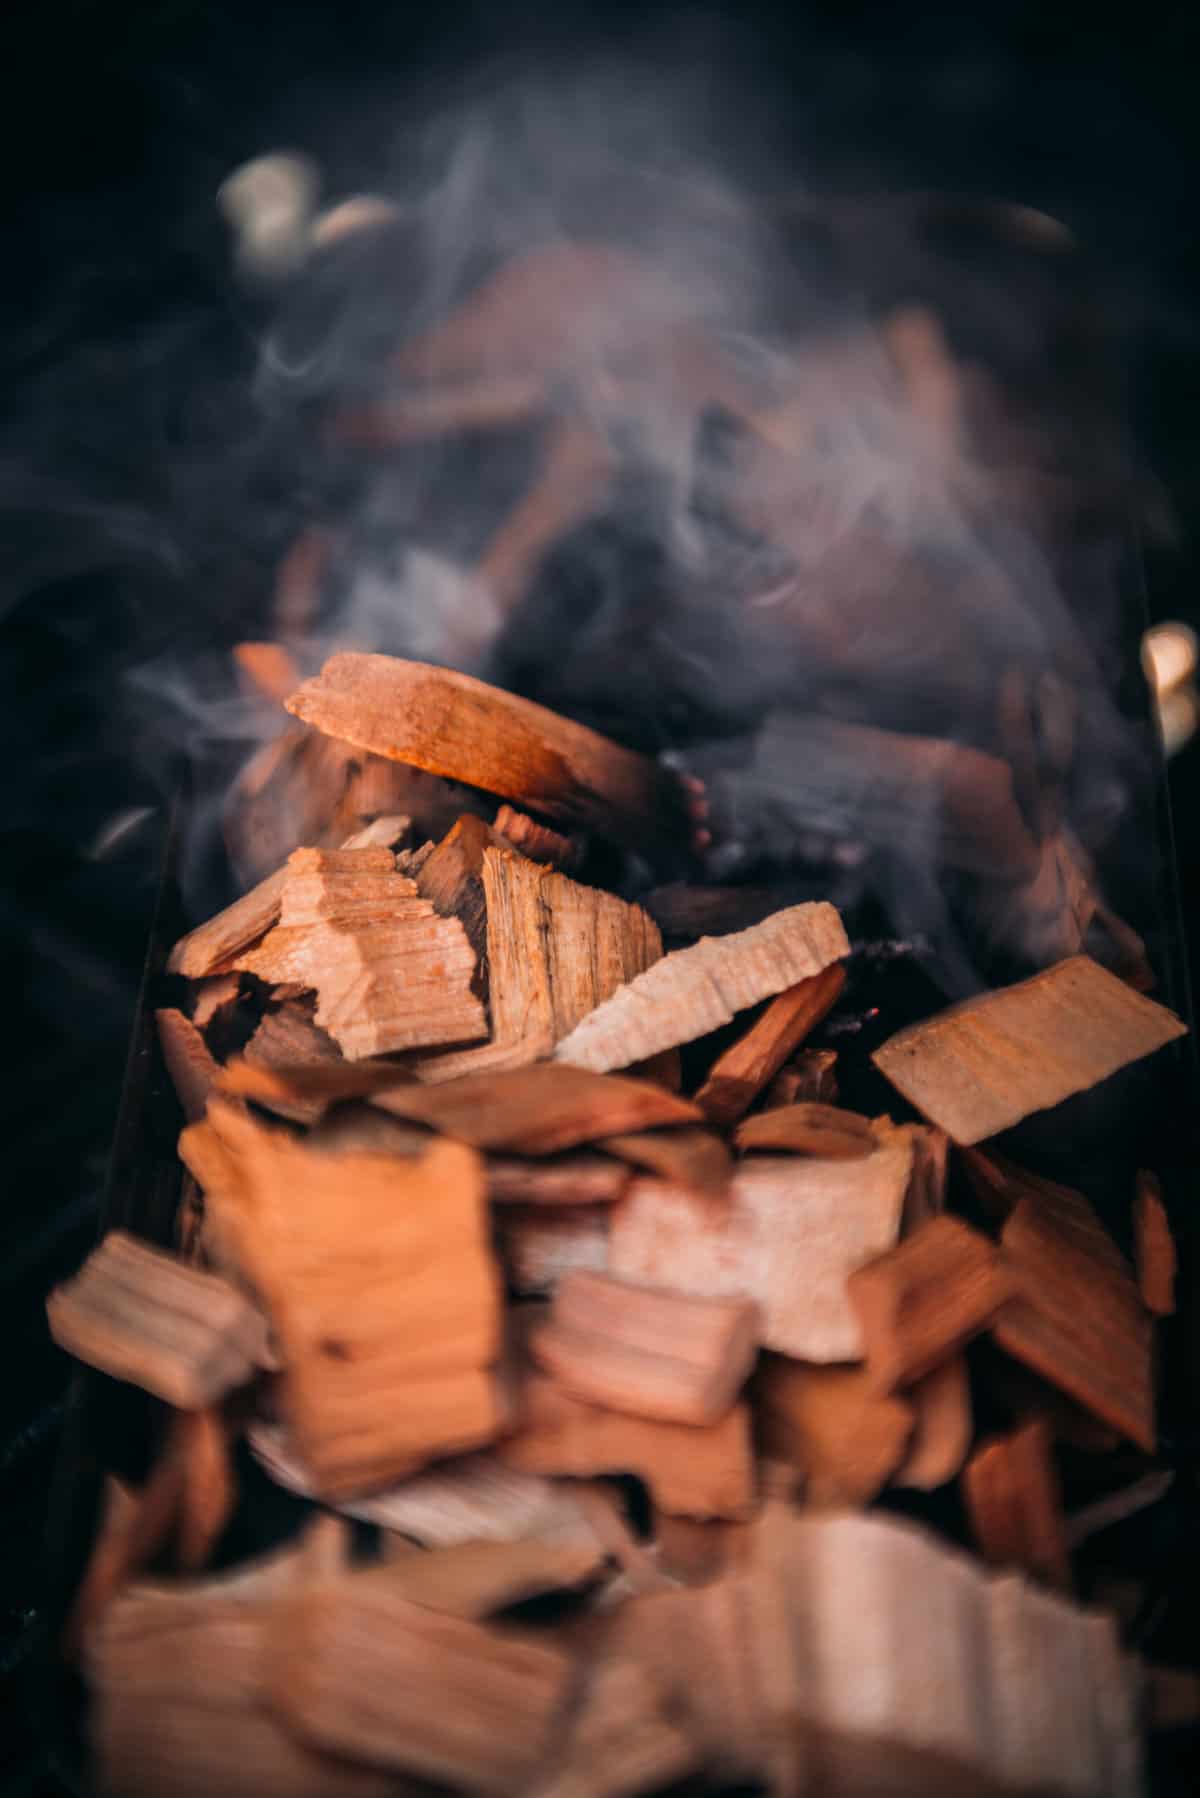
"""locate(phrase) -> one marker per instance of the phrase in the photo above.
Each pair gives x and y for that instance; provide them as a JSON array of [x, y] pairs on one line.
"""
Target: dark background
[[126, 354]]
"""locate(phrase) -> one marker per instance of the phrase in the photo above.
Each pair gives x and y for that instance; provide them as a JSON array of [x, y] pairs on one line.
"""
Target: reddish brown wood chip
[[941, 1406], [787, 1235], [809, 1077], [268, 669], [144, 1316], [208, 1491], [833, 1425], [694, 991], [458, 727], [357, 1669], [738, 1076], [1154, 1247], [1078, 1317], [539, 1110], [982, 1066], [697, 1471], [1011, 1490], [537, 841], [380, 1284], [697, 1159], [287, 1037], [189, 1063], [645, 1351], [926, 1298], [809, 1129]]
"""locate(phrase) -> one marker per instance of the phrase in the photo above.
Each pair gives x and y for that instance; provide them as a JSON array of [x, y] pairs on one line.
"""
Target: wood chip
[[789, 1233], [209, 1490], [178, 1710], [982, 1066], [680, 910], [1078, 1318], [211, 948], [697, 990], [809, 1077], [476, 1579], [387, 971], [738, 1076], [555, 950], [540, 1245], [537, 841], [457, 727], [386, 832], [832, 1424], [1014, 1506], [140, 1315], [189, 1063], [691, 1470], [809, 1129], [941, 1406], [577, 1178], [925, 1299], [380, 1286], [539, 1110], [1154, 1247], [697, 1159], [268, 669], [451, 878], [648, 1352], [622, 1741], [357, 1669], [286, 1038], [693, 1551], [214, 998]]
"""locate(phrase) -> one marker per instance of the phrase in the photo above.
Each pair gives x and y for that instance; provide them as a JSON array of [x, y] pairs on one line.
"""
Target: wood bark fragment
[[359, 1670], [808, 1078], [738, 1076], [691, 1470], [178, 1705], [697, 1159], [1012, 1496], [462, 729], [537, 841], [809, 1129], [833, 1425], [554, 951], [925, 1299], [387, 971], [696, 990], [789, 1233], [539, 1110], [540, 1245], [982, 1066], [1078, 1318], [941, 1406], [380, 1286], [144, 1316], [1154, 1247], [647, 1352], [189, 1062]]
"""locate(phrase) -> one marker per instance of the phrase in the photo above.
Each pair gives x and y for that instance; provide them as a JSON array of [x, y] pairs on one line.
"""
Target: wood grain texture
[[189, 1061], [738, 1075]]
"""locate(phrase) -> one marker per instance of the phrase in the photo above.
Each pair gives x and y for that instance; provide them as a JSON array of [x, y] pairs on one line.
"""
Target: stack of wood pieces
[[609, 1368]]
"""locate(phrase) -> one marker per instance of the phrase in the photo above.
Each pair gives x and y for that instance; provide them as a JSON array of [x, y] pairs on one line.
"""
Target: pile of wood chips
[[613, 1370]]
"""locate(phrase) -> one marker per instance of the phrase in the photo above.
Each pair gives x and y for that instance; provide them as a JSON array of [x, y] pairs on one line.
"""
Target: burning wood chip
[[1154, 1247], [189, 1063], [176, 1674], [462, 729], [538, 1110], [1077, 1317], [696, 990], [380, 1285], [537, 841], [809, 1129], [651, 1353], [694, 1470], [926, 1298], [539, 1245], [1013, 1502], [738, 1076], [808, 1078], [833, 1425], [356, 1668], [982, 1066], [697, 1159], [554, 951], [388, 972], [144, 1316], [789, 1233]]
